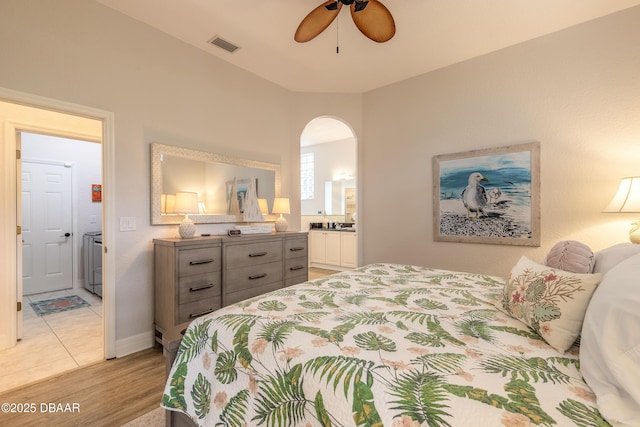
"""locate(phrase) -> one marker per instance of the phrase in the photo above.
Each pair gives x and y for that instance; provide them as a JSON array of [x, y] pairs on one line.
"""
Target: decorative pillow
[[550, 301], [609, 257], [570, 255], [610, 351]]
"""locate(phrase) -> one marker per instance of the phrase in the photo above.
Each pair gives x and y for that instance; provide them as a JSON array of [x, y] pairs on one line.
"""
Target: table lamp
[[168, 202], [627, 200], [186, 203], [281, 206], [264, 207]]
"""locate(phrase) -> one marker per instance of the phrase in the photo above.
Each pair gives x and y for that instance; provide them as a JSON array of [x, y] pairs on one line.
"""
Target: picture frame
[[242, 186], [96, 193], [489, 196]]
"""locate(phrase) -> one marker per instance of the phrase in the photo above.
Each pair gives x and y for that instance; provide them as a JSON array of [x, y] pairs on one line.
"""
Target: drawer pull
[[299, 248], [201, 261], [258, 276], [296, 267], [201, 288], [257, 254], [202, 313]]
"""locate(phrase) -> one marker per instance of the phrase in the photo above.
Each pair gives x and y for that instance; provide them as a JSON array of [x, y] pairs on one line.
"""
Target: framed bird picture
[[488, 196]]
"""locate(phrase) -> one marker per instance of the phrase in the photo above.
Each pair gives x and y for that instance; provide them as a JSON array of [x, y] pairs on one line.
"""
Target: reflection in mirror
[[335, 197], [350, 205], [211, 176]]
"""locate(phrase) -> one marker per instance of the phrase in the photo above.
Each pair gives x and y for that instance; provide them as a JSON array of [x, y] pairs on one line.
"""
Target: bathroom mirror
[[211, 175]]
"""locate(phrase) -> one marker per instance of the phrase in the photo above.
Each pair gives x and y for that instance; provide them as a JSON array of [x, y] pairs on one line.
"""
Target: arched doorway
[[328, 171]]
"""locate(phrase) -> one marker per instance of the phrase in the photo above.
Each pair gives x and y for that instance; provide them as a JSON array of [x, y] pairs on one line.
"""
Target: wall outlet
[[93, 219], [127, 223]]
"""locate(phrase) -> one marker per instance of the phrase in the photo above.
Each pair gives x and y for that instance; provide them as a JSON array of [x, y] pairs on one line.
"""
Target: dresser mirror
[[210, 175]]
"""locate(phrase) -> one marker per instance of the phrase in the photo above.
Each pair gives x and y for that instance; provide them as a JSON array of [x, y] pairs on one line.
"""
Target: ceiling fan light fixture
[[360, 5], [371, 17]]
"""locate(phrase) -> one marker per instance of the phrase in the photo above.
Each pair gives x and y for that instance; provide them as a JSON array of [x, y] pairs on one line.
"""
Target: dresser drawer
[[294, 248], [188, 312], [295, 267], [199, 261], [201, 286], [253, 276], [234, 297], [237, 256]]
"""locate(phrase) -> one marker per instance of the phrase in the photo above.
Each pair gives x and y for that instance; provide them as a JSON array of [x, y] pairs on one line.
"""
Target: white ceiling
[[430, 34]]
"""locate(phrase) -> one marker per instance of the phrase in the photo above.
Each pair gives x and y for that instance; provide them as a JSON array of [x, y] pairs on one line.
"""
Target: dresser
[[194, 277]]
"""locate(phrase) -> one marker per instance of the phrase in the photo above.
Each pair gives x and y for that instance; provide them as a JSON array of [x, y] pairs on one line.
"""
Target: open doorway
[[328, 186], [43, 116], [62, 308]]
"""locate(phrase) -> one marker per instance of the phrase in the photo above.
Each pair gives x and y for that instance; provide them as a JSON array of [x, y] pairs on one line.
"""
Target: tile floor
[[53, 343]]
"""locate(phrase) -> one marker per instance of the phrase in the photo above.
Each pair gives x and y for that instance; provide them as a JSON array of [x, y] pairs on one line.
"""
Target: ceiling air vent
[[223, 44]]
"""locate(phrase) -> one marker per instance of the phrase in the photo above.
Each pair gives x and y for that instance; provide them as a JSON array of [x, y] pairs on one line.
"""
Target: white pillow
[[610, 349], [552, 302], [607, 258]]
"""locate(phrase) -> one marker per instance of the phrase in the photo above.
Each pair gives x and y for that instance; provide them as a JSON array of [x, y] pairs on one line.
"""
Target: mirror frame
[[158, 150]]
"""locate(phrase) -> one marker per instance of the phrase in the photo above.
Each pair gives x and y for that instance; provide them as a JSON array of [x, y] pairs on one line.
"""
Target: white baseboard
[[134, 344]]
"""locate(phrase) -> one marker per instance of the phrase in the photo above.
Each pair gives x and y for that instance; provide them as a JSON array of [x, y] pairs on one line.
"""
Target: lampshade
[[168, 202], [281, 205], [627, 198], [186, 203], [264, 207]]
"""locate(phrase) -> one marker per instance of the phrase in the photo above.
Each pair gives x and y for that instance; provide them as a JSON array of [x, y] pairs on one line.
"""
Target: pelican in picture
[[474, 196]]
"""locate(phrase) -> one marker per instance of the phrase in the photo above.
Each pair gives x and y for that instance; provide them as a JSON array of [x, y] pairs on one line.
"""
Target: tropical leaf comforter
[[381, 345]]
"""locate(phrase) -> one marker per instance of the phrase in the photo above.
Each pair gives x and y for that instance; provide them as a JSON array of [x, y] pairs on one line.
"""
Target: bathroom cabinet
[[332, 249]]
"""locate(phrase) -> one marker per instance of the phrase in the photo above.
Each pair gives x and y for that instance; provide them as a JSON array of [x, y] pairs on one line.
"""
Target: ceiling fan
[[371, 17]]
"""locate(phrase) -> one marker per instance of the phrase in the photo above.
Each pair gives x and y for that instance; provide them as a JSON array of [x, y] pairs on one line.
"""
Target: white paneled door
[[47, 249]]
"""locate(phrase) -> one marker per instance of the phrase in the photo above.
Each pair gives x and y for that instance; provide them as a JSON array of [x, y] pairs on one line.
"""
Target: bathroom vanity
[[333, 249]]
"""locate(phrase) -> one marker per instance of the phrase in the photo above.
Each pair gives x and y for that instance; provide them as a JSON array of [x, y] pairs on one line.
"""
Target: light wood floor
[[108, 393], [316, 273]]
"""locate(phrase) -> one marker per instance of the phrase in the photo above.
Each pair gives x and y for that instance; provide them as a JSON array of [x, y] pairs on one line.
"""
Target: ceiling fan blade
[[374, 21], [317, 20]]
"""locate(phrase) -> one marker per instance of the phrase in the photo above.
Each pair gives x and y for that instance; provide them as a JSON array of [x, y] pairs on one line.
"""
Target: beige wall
[[160, 90], [576, 91]]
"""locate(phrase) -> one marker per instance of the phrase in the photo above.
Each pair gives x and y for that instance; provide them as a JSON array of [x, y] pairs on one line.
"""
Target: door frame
[[8, 198]]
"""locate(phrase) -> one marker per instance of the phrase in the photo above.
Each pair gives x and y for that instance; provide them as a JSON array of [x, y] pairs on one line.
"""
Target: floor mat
[[57, 305]]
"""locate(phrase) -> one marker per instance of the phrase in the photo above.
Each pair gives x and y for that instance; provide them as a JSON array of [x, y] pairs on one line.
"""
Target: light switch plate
[[127, 223]]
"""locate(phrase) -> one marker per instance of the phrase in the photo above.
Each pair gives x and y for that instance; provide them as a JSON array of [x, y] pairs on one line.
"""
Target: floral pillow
[[550, 301]]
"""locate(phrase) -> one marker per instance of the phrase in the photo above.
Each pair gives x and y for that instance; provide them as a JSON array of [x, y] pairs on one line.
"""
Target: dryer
[[92, 253]]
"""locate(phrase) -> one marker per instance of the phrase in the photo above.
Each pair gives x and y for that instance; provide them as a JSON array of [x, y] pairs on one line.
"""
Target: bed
[[394, 345]]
